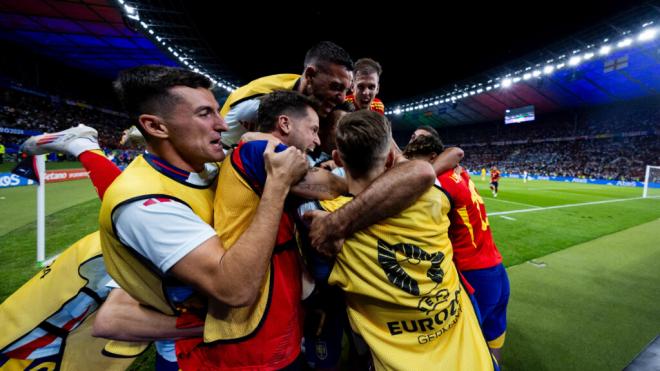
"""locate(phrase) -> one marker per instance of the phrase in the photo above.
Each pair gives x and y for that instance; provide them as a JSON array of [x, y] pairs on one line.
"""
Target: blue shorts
[[491, 291]]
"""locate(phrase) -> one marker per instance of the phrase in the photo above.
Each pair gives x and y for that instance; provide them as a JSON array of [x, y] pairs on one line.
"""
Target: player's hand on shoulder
[[288, 166], [321, 233]]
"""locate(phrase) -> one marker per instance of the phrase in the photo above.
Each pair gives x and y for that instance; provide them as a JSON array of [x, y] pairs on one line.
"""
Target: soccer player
[[525, 175], [475, 253], [366, 85], [266, 334], [154, 217], [402, 288], [483, 174], [494, 180], [60, 303], [327, 76]]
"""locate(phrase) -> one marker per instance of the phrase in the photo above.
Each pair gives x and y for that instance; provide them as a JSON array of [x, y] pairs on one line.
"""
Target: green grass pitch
[[588, 299]]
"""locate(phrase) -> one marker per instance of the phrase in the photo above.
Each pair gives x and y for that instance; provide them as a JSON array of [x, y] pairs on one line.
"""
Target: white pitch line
[[511, 202], [507, 217], [49, 261], [567, 205]]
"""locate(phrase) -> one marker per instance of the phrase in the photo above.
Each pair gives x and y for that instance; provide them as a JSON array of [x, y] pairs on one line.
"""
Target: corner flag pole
[[41, 209], [645, 193]]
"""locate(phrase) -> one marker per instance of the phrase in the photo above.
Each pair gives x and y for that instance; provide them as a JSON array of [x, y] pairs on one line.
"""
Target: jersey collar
[[201, 179]]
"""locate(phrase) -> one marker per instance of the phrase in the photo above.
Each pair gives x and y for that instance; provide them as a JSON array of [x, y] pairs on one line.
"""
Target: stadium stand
[[612, 142], [38, 112]]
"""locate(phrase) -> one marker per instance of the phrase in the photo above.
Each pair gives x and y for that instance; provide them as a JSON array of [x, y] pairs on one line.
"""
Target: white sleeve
[[161, 230], [112, 284], [339, 171], [305, 207], [245, 111]]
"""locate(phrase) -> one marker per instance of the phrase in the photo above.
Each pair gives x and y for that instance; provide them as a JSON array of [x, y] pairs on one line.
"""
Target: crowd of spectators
[[607, 142], [20, 110], [611, 158], [613, 142]]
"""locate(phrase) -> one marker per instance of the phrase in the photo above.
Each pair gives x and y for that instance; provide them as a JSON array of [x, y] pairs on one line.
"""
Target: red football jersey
[[376, 104], [469, 231], [494, 176]]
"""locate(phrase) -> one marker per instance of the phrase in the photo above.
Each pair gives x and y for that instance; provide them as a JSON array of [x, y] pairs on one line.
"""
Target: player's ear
[[154, 126], [310, 72], [336, 158], [390, 159], [284, 124]]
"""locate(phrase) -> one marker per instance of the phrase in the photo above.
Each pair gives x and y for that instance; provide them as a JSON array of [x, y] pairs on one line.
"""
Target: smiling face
[[328, 85], [194, 127], [304, 131], [365, 88]]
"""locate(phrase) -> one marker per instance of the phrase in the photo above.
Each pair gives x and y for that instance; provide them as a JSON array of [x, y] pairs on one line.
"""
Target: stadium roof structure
[[618, 61], [105, 36], [86, 34]]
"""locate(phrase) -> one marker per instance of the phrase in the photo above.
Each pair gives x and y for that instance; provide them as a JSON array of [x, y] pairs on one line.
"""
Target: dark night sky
[[421, 47]]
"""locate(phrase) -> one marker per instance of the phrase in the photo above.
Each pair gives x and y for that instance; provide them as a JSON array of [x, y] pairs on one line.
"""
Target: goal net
[[652, 181]]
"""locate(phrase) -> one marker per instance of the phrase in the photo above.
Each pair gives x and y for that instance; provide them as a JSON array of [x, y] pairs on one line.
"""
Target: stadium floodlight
[[489, 88], [129, 9], [624, 43], [496, 86], [575, 60], [548, 69], [536, 73], [527, 76], [515, 79], [605, 50], [506, 83], [144, 25], [560, 66], [151, 32], [647, 35], [479, 91], [588, 56]]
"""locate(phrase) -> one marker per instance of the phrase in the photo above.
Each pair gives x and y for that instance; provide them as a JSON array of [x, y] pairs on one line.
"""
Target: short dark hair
[[362, 137], [430, 130], [327, 52], [423, 145], [367, 66], [282, 102], [145, 89]]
